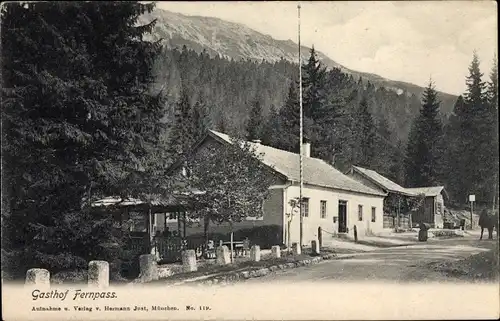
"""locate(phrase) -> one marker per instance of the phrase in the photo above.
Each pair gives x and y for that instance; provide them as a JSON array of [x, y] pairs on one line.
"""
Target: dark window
[[374, 216], [360, 212], [323, 209]]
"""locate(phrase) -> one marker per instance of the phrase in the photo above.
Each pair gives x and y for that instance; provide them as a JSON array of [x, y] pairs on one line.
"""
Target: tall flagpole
[[301, 137]]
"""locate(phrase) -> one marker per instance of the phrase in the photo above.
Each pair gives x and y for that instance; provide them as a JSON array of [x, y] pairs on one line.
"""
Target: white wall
[[311, 223]]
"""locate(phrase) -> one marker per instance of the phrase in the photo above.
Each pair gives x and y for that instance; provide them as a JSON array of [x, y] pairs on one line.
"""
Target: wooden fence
[[169, 249], [392, 221]]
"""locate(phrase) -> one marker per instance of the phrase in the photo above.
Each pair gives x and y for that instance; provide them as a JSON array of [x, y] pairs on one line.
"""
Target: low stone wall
[[98, 273], [243, 275]]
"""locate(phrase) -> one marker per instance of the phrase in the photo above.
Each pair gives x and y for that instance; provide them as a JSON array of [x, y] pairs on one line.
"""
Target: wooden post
[[399, 210], [149, 229], [320, 236], [231, 241], [471, 210], [184, 224], [289, 243]]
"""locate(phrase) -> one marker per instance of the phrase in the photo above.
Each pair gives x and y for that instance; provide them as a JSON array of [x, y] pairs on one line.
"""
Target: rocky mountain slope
[[236, 41]]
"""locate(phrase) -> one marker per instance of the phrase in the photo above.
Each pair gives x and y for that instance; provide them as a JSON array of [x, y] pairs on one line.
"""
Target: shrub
[[265, 236]]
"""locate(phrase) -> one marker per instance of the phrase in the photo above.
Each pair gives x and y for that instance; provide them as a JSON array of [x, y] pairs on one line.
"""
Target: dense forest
[[228, 91], [348, 121]]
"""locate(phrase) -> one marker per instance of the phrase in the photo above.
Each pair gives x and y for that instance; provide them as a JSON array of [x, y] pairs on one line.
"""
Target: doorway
[[342, 217]]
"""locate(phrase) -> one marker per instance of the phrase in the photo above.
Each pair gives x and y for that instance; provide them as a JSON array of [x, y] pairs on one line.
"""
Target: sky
[[410, 41]]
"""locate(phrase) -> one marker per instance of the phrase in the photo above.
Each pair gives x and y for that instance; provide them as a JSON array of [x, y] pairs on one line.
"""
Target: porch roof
[[172, 204], [429, 191], [383, 182]]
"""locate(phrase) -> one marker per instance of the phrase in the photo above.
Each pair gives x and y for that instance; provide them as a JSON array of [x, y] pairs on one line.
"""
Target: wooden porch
[[139, 219]]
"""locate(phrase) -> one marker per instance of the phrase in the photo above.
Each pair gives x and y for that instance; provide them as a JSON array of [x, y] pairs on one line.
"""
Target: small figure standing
[[355, 233]]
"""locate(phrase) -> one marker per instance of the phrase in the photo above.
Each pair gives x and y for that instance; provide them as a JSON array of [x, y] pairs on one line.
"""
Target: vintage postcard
[[332, 160]]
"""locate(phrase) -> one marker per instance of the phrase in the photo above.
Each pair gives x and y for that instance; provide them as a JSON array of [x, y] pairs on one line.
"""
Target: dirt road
[[398, 264]]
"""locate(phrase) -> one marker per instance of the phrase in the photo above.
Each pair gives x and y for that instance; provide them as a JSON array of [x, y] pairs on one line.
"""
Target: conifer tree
[[313, 84], [423, 159], [79, 123], [201, 119], [221, 124], [255, 121], [272, 130], [477, 136], [184, 131], [290, 120], [365, 135], [455, 165], [492, 97]]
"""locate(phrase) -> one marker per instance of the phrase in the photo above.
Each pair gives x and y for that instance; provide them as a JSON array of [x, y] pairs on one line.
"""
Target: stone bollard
[[38, 277], [148, 268], [255, 253], [223, 256], [98, 274], [296, 250], [315, 247], [189, 261], [276, 251]]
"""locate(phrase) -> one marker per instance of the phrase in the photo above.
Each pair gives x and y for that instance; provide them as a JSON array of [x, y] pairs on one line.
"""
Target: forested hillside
[[229, 89], [348, 121], [236, 41]]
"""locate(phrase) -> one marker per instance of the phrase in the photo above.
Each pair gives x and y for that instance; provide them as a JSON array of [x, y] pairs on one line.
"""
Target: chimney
[[306, 149], [256, 141]]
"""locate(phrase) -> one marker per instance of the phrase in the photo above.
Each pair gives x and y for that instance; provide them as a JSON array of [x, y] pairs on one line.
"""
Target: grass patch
[[446, 233], [483, 266], [378, 244]]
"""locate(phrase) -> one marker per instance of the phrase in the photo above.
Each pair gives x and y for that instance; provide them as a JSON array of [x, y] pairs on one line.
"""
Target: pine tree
[[271, 131], [396, 171], [492, 87], [183, 134], [221, 124], [323, 109], [255, 121], [201, 119], [492, 98], [313, 84], [477, 136], [474, 96], [365, 135], [423, 159], [79, 123], [290, 121], [455, 165]]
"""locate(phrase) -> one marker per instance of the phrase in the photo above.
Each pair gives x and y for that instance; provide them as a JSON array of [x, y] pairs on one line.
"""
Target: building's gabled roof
[[316, 171], [382, 181], [428, 191]]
